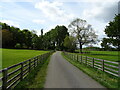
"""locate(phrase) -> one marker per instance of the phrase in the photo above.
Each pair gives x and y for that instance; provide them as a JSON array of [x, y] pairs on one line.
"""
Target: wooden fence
[[110, 67], [12, 75]]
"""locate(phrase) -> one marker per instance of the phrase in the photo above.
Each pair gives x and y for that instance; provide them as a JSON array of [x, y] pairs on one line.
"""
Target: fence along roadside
[[11, 76], [110, 67]]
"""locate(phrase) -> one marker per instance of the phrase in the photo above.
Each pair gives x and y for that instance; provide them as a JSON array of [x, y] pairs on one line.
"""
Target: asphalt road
[[62, 74]]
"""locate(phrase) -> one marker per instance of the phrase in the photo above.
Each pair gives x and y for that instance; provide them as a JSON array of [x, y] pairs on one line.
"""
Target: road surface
[[62, 74]]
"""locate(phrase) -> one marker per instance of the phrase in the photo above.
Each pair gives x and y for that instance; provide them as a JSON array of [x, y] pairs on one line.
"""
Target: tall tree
[[41, 32], [70, 43], [62, 31], [16, 35], [83, 32], [28, 38], [113, 34]]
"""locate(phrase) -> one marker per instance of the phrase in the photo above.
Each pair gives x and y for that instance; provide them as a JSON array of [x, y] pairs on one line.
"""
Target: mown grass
[[14, 56], [36, 78], [106, 55], [105, 79]]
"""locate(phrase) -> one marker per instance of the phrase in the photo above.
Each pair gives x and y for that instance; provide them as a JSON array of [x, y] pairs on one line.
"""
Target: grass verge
[[103, 78], [36, 78]]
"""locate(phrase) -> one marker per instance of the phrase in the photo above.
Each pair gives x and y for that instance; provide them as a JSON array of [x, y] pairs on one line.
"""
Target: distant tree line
[[13, 37], [77, 34]]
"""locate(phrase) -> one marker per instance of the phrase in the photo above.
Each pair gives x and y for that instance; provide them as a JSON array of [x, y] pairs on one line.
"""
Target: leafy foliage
[[15, 38], [113, 34], [83, 32], [70, 43]]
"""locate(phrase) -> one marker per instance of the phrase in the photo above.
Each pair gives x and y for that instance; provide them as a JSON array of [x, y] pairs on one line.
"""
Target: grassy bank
[[105, 79], [106, 55], [14, 56], [36, 78]]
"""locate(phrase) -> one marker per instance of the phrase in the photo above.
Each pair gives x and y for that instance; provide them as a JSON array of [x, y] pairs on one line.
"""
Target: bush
[[17, 45]]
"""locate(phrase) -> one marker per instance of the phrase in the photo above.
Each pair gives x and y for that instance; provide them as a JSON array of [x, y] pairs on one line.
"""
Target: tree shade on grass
[[14, 56]]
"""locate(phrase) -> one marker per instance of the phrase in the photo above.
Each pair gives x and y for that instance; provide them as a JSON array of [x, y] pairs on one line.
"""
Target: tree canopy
[[70, 43], [83, 32], [57, 38], [13, 37], [113, 34]]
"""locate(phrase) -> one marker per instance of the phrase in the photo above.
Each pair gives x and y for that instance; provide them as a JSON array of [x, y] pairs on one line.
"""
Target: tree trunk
[[80, 47]]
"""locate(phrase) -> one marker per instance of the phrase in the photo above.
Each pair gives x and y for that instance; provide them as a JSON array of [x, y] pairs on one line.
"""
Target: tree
[[36, 42], [61, 32], [16, 35], [55, 37], [83, 32], [113, 34], [7, 37], [28, 38], [70, 43]]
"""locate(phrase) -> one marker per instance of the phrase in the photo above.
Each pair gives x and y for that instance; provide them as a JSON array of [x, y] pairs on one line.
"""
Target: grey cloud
[[119, 7], [108, 12]]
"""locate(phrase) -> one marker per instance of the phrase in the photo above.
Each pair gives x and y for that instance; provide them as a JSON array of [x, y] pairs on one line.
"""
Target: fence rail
[[11, 76], [110, 67]]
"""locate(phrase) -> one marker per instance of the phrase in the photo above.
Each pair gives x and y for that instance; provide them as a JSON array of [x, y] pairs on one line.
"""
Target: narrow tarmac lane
[[62, 74]]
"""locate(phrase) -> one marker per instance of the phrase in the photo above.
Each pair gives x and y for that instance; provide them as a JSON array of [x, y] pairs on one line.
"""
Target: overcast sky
[[46, 14]]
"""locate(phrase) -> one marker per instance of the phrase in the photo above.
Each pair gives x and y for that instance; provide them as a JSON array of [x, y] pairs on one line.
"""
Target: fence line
[[110, 67], [12, 75]]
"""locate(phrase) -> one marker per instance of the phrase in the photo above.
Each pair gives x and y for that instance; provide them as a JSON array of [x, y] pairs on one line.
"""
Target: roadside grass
[[106, 55], [0, 58], [105, 79], [14, 56], [36, 78]]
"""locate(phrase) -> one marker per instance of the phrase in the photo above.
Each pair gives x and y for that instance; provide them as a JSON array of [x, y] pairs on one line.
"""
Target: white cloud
[[39, 21], [16, 0], [11, 23], [86, 0], [53, 11], [104, 11]]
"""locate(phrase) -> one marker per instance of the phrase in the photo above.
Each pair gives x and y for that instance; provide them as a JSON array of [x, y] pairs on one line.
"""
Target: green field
[[106, 55], [14, 56]]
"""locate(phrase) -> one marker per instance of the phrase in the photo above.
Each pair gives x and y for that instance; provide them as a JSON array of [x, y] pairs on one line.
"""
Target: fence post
[[81, 58], [93, 62], [21, 74], [4, 86], [86, 60], [34, 63], [103, 65], [37, 60], [40, 59], [119, 69], [119, 76], [77, 58], [74, 56], [29, 64]]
